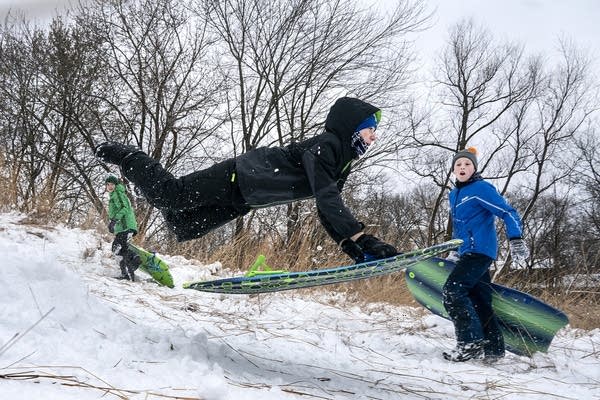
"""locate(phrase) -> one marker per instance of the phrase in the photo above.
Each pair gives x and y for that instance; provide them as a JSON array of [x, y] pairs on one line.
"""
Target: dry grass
[[79, 377], [580, 306], [297, 254], [384, 289], [582, 310], [310, 249]]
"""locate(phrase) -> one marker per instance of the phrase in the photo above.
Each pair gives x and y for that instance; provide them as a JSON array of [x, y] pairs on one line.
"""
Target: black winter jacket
[[316, 167]]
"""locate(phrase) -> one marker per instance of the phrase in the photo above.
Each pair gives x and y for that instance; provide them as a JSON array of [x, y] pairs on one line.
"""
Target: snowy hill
[[70, 331]]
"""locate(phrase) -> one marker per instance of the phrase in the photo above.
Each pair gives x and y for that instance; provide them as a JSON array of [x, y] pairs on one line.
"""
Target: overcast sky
[[33, 8], [535, 23]]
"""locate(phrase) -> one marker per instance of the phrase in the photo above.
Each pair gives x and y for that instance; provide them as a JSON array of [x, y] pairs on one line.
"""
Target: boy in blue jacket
[[467, 295]]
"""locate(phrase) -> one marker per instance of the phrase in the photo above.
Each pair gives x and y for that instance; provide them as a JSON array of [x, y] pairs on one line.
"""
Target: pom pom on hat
[[469, 152]]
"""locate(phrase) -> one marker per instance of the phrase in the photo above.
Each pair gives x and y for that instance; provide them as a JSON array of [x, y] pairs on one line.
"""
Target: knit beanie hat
[[358, 143], [111, 179], [470, 153], [370, 122]]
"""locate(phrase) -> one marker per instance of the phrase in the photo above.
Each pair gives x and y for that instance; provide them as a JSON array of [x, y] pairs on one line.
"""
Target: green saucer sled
[[527, 323]]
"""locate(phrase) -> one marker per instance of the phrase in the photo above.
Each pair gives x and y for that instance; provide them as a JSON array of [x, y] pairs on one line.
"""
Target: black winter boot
[[132, 265], [465, 351], [492, 358], [135, 262], [124, 271], [493, 346], [115, 153]]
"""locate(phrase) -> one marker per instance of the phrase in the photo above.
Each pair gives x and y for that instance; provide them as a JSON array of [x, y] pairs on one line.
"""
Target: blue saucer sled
[[263, 279]]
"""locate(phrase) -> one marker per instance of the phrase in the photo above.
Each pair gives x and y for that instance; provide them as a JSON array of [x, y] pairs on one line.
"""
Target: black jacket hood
[[343, 118]]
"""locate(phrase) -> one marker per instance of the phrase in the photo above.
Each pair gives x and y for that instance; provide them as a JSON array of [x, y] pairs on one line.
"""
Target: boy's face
[[368, 135], [463, 169], [110, 186]]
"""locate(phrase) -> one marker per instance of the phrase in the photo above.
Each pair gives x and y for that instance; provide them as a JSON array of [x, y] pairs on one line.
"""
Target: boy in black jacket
[[318, 167]]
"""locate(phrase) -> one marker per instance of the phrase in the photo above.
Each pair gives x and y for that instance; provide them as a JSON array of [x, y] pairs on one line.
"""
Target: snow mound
[[71, 331]]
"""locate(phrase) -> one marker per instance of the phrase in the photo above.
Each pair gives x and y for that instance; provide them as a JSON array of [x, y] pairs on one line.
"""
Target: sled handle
[[261, 262]]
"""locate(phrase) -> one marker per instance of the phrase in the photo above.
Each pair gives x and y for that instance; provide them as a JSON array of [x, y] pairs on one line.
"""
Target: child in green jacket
[[123, 224]]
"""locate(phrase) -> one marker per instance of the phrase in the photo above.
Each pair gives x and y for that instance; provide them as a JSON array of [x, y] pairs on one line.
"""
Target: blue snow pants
[[467, 296]]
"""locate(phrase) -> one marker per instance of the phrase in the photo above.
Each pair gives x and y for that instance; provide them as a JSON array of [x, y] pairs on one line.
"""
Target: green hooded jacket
[[119, 209]]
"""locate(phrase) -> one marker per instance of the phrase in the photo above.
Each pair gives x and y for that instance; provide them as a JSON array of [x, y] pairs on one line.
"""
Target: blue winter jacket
[[473, 207]]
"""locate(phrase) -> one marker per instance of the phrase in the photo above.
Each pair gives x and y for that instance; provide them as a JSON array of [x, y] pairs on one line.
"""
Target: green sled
[[527, 323], [154, 266]]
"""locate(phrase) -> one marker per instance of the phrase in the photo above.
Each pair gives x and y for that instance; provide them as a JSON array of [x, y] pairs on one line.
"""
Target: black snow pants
[[194, 204], [467, 296], [129, 261]]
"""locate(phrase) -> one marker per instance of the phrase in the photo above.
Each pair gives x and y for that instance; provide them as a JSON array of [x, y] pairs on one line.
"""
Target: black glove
[[111, 225], [375, 247], [115, 153], [350, 247]]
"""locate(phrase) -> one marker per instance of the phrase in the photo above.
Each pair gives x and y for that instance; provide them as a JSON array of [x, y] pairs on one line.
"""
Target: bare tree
[[479, 83], [287, 61], [53, 71], [541, 151], [562, 111], [525, 115], [17, 93], [587, 177], [161, 91]]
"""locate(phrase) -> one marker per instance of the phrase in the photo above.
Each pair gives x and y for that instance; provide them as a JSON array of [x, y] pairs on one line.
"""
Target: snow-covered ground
[[70, 331]]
